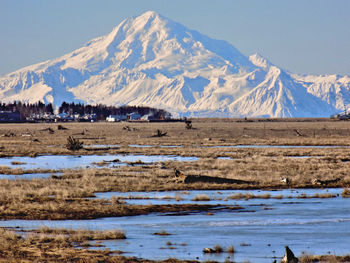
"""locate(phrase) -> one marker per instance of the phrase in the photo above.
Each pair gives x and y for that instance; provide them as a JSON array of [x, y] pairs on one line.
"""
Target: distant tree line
[[102, 111], [27, 109]]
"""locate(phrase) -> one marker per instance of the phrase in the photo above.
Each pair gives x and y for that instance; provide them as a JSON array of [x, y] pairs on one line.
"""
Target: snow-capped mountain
[[153, 61]]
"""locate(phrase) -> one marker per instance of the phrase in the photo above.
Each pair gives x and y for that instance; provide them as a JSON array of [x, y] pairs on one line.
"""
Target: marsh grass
[[227, 132], [201, 197], [100, 164], [19, 171], [56, 245], [137, 162], [310, 258], [162, 233], [317, 195], [243, 244], [18, 163], [247, 196], [65, 198], [81, 235], [263, 167], [230, 249], [345, 193], [178, 197], [218, 249]]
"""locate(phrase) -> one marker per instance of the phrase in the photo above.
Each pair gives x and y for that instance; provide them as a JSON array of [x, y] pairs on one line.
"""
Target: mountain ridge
[[153, 61]]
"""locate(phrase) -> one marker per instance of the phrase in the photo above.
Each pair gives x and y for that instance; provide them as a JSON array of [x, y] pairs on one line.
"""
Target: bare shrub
[[230, 249], [74, 144], [188, 124], [160, 133], [218, 249]]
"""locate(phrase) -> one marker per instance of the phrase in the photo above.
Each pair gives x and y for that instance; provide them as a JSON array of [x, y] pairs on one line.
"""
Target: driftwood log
[[188, 179], [212, 179], [325, 182]]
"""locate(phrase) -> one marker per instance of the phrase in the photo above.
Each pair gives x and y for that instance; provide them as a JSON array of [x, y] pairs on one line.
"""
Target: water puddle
[[28, 176], [154, 146], [140, 146], [312, 225], [278, 146], [222, 197], [224, 158], [170, 146], [83, 161], [303, 156]]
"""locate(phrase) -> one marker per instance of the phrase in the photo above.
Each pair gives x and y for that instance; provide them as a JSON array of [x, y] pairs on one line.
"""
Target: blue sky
[[302, 36]]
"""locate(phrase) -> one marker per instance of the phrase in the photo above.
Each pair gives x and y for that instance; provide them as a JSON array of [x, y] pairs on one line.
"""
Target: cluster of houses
[[341, 116], [134, 116], [47, 117], [9, 116]]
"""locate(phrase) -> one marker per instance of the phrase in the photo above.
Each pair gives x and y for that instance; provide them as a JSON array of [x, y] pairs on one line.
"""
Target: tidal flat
[[225, 182]]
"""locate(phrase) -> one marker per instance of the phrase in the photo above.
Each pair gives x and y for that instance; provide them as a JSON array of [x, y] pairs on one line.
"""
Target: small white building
[[115, 118], [147, 117]]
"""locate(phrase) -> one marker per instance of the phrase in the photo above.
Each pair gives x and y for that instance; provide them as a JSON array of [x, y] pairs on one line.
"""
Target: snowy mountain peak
[[154, 61], [149, 13], [260, 61]]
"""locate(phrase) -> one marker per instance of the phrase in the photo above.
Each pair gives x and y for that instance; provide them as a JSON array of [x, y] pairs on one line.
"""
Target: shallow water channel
[[28, 176], [82, 161], [259, 232]]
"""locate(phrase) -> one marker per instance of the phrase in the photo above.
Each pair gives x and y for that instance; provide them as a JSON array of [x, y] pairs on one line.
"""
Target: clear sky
[[302, 36]]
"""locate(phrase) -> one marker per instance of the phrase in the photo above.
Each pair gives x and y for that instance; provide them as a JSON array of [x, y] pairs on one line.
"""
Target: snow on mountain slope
[[333, 89], [151, 60], [279, 95]]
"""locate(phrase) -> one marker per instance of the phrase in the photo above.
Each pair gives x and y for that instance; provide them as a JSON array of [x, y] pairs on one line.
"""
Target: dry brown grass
[[248, 196], [162, 233], [19, 171], [60, 245], [208, 132], [263, 167], [66, 197], [201, 197], [317, 195], [310, 258], [230, 249], [81, 235]]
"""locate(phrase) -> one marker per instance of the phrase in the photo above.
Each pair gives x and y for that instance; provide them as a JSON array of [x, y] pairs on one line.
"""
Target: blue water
[[28, 176], [216, 197], [319, 226], [70, 161]]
